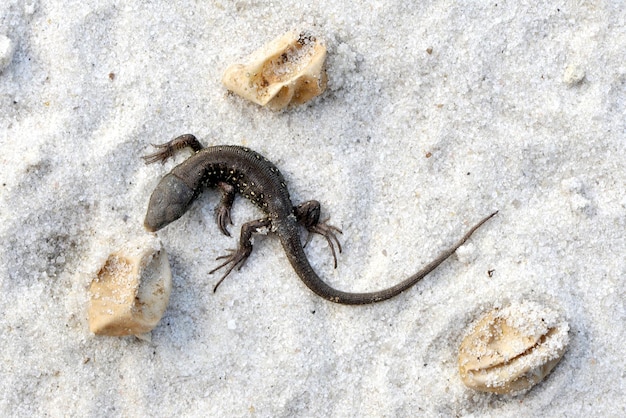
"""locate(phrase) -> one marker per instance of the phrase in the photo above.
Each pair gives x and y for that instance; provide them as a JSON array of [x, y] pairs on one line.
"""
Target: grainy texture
[[435, 111]]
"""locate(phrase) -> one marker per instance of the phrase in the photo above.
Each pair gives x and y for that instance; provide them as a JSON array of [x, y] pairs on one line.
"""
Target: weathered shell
[[289, 70], [510, 350], [131, 291]]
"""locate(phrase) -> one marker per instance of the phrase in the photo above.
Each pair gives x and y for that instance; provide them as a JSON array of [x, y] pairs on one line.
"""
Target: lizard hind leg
[[308, 215], [237, 258]]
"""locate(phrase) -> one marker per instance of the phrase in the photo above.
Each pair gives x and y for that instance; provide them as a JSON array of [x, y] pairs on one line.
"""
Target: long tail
[[290, 240]]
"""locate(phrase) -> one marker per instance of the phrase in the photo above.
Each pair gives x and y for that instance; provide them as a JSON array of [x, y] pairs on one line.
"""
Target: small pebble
[[7, 48], [466, 253], [29, 8], [574, 74]]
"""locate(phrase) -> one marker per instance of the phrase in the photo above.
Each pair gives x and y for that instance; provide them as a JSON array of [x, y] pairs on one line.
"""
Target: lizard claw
[[329, 232], [308, 215], [167, 150], [164, 152], [234, 259]]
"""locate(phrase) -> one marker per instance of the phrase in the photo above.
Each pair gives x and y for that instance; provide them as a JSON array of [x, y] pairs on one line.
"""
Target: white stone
[[574, 74]]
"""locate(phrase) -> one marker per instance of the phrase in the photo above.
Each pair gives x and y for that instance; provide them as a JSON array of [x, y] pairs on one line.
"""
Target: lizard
[[235, 169]]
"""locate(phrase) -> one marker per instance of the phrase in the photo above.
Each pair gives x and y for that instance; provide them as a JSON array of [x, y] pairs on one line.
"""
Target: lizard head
[[169, 201]]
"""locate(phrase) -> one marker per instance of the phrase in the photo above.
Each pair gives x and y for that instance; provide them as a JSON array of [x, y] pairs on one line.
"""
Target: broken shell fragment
[[512, 349], [287, 71], [131, 291]]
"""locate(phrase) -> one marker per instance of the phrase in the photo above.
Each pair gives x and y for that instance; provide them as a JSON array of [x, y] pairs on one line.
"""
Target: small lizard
[[234, 169]]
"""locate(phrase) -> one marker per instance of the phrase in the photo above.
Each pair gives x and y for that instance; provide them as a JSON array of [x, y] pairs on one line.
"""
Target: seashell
[[287, 71], [131, 291], [512, 349]]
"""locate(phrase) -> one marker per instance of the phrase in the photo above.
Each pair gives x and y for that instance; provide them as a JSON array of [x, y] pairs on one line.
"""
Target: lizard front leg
[[238, 257], [167, 150]]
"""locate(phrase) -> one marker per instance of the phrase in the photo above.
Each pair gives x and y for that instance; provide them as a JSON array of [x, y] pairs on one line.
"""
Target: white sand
[[490, 106]]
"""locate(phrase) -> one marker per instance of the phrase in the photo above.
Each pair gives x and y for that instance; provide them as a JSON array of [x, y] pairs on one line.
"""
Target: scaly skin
[[235, 169]]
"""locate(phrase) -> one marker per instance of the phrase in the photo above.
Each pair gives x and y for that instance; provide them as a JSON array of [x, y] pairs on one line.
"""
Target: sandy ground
[[436, 114]]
